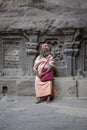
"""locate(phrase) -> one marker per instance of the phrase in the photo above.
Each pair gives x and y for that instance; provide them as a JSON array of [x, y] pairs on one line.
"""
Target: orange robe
[[44, 88]]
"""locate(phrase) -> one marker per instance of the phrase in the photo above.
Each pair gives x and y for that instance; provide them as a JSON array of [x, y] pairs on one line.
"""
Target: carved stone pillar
[[31, 54], [71, 50], [75, 53], [1, 57], [68, 52]]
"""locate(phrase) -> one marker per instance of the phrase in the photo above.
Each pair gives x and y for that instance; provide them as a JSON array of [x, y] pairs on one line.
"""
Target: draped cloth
[[44, 88]]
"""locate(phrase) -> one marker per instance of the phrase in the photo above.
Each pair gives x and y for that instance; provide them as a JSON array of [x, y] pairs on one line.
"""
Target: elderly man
[[44, 89]]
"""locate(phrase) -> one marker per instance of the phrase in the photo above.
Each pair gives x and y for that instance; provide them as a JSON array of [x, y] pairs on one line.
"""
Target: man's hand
[[40, 75]]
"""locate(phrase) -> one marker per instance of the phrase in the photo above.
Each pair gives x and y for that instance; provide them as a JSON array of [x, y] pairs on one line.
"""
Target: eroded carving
[[25, 44]]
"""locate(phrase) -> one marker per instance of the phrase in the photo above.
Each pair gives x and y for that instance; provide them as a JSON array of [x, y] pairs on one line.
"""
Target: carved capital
[[76, 44], [68, 52], [31, 51], [68, 33], [68, 45], [75, 51], [31, 48], [31, 45]]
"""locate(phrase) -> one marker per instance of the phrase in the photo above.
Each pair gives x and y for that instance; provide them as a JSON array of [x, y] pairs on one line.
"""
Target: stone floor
[[21, 113]]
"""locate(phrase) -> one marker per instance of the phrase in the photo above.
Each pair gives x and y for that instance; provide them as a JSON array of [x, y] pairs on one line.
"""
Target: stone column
[[68, 52], [1, 57], [31, 53], [69, 35], [75, 53]]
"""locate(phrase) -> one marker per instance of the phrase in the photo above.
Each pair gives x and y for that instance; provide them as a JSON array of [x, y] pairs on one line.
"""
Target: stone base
[[25, 87], [66, 87], [8, 86], [82, 87]]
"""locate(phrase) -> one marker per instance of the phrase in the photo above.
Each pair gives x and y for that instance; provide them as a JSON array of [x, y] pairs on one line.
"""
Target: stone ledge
[[66, 87]]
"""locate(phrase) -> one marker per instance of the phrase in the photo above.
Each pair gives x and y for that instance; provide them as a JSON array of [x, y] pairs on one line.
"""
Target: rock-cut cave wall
[[25, 24]]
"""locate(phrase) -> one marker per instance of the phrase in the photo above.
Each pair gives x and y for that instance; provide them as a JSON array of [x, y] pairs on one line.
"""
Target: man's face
[[44, 52]]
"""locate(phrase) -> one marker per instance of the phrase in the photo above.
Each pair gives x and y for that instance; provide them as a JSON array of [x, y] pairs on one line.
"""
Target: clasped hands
[[43, 73], [40, 75]]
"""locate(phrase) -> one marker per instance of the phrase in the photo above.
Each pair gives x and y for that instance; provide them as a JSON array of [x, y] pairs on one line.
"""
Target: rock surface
[[42, 14]]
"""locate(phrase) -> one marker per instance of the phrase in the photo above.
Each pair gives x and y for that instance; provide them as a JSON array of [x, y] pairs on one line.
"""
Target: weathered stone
[[10, 85], [66, 87], [55, 14], [25, 87], [25, 24], [82, 87]]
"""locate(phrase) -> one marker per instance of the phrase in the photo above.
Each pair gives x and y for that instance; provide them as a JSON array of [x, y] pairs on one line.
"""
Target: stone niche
[[10, 47], [17, 54], [19, 49], [11, 54]]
